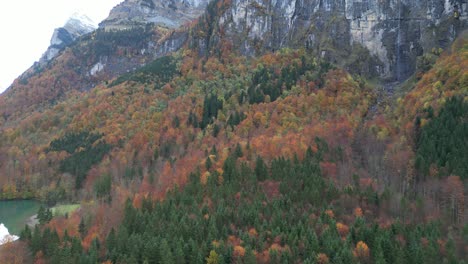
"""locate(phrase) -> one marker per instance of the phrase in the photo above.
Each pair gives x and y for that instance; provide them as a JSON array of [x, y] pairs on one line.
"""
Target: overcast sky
[[26, 27]]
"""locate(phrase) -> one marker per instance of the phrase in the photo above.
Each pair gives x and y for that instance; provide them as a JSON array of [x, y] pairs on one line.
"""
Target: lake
[[14, 214]]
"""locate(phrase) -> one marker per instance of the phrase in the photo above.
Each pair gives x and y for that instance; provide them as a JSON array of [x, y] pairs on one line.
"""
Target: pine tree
[[93, 252], [238, 151], [111, 243], [41, 215], [48, 215], [151, 252], [76, 248], [208, 163], [179, 253], [249, 257], [166, 254], [66, 236], [214, 151], [260, 169], [36, 240], [26, 233], [82, 228]]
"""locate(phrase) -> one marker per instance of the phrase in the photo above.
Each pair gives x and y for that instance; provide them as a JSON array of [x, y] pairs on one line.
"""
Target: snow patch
[[84, 20], [79, 24]]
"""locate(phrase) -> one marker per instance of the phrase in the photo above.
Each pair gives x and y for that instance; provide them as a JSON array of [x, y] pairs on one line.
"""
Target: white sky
[[26, 27]]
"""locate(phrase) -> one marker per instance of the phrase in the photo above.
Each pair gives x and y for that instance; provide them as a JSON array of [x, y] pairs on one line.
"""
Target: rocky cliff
[[394, 32], [75, 27], [171, 14]]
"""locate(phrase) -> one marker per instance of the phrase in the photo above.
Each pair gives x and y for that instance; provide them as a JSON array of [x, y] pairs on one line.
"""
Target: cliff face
[[394, 31], [171, 14], [74, 28], [398, 31]]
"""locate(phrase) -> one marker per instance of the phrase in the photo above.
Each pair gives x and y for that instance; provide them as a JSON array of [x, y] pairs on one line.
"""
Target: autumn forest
[[283, 157]]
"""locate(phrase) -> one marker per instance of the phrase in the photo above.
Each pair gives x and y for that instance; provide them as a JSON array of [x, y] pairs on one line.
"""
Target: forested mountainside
[[381, 39], [200, 151]]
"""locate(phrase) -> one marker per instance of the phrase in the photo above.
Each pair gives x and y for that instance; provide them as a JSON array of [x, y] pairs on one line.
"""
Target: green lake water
[[14, 214]]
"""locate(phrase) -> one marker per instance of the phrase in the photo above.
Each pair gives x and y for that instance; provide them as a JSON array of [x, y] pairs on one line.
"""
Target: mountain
[[171, 14], [382, 39], [76, 26], [395, 32], [260, 132]]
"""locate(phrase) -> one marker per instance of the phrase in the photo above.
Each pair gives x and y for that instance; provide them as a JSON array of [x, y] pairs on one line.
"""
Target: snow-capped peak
[[77, 25], [82, 21]]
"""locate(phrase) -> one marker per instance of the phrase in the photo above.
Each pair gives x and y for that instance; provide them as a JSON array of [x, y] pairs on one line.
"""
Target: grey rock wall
[[171, 13], [394, 31], [74, 28]]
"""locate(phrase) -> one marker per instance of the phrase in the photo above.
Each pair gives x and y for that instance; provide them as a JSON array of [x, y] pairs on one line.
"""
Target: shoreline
[[32, 221], [21, 199], [18, 213]]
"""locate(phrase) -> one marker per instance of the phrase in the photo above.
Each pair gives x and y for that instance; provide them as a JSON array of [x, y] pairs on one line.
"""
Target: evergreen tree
[[41, 215], [238, 151], [76, 248], [26, 233], [196, 224], [208, 163], [260, 169], [82, 228], [36, 240], [179, 255], [249, 257], [111, 243], [48, 215], [167, 257], [214, 151], [93, 253]]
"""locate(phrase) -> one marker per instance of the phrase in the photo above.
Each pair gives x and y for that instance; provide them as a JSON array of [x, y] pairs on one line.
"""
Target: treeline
[[279, 213]]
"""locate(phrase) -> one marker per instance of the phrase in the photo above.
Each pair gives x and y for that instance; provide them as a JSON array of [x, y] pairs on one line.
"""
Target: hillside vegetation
[[229, 159]]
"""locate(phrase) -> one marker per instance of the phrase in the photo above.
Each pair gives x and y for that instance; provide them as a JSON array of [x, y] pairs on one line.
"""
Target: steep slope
[[171, 14], [95, 58], [394, 31], [77, 26], [234, 150], [219, 137], [128, 39], [371, 39]]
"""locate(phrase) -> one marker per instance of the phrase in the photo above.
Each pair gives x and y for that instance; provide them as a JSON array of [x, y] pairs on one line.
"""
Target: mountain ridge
[[171, 14], [362, 37], [76, 26]]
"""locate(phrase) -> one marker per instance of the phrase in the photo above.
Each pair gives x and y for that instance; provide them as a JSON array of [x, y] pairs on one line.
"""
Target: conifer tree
[[82, 228]]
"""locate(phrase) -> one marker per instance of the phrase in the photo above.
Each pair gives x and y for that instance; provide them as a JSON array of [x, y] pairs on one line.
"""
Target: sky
[[26, 27]]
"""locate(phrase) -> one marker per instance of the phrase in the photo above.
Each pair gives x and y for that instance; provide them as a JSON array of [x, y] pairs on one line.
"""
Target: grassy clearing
[[64, 209]]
